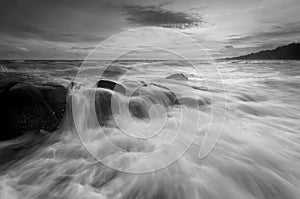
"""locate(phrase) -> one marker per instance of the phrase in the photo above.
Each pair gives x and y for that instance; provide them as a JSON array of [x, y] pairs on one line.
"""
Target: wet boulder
[[111, 85], [104, 105], [30, 108], [138, 108], [55, 95]]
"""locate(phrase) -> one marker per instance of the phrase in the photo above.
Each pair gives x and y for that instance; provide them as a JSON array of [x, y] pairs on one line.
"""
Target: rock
[[138, 109], [55, 96], [30, 108], [107, 84], [156, 94], [114, 71], [139, 102], [178, 76], [191, 102], [103, 106]]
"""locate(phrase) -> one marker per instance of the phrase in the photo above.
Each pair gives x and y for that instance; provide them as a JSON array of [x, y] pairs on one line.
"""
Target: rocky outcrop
[[30, 107], [138, 97]]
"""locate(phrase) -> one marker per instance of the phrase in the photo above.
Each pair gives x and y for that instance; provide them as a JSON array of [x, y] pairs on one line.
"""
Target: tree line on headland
[[287, 52]]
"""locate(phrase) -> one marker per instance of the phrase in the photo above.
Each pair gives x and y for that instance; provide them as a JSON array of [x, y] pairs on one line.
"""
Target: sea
[[232, 132]]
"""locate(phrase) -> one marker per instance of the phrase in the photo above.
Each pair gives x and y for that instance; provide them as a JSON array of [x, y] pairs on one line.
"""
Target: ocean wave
[[256, 156]]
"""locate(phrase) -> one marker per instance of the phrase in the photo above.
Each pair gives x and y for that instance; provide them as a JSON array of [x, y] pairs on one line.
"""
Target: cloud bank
[[156, 16]]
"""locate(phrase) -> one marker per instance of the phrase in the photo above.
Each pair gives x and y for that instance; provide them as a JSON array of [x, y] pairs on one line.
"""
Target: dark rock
[[30, 108], [55, 96], [178, 76], [103, 106], [107, 84], [68, 120], [103, 99], [138, 109]]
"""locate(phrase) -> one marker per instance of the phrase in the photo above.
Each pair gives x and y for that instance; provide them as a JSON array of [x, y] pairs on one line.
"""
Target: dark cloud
[[156, 16], [44, 25], [228, 47], [71, 26]]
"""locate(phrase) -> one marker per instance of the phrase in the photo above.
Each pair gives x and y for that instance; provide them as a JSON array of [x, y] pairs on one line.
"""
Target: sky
[[71, 29]]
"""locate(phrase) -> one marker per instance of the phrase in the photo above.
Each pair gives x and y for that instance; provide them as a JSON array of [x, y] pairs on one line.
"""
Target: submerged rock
[[138, 109], [30, 108], [156, 94], [191, 102], [178, 76]]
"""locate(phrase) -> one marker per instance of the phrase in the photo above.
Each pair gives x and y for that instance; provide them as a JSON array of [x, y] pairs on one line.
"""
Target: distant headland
[[287, 52]]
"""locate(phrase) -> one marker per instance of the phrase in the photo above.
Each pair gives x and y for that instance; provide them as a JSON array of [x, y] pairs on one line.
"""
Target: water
[[255, 103]]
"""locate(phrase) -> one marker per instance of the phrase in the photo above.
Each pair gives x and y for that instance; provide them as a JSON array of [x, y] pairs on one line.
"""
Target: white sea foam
[[257, 155]]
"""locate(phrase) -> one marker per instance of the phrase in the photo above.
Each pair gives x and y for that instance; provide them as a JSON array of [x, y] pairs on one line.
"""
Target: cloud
[[264, 36], [79, 37], [27, 31], [23, 49], [73, 26], [83, 48], [56, 20], [228, 47], [156, 16], [279, 34]]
